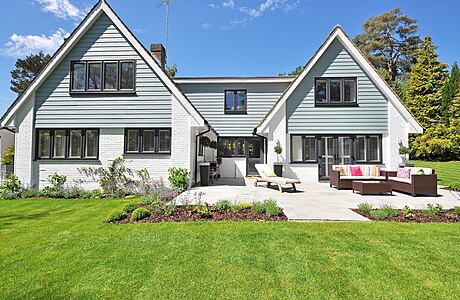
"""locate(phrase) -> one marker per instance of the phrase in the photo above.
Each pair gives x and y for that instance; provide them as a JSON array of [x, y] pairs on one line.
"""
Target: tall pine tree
[[424, 89], [449, 91]]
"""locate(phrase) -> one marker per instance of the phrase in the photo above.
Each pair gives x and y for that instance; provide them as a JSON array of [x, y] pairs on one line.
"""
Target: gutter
[[254, 133], [196, 149]]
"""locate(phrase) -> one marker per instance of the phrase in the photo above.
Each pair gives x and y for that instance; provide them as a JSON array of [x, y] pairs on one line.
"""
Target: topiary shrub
[[130, 207], [139, 214], [115, 216]]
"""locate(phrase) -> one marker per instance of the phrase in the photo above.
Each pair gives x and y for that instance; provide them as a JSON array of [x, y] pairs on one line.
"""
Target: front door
[[254, 155], [326, 157]]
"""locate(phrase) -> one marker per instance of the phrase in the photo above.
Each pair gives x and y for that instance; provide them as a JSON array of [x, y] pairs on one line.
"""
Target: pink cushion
[[403, 173], [356, 171]]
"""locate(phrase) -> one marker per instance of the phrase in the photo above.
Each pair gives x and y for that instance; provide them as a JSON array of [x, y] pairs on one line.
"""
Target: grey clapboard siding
[[150, 107], [371, 116], [208, 98]]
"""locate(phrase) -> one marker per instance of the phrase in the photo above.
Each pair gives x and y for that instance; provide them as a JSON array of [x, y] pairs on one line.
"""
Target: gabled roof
[[338, 33], [101, 7]]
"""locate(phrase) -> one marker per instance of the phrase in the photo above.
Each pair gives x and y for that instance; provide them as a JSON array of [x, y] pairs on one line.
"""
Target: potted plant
[[278, 167], [213, 145], [205, 143], [8, 161], [404, 153]]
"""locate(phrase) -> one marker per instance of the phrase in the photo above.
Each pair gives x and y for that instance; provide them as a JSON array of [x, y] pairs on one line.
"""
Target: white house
[[104, 95]]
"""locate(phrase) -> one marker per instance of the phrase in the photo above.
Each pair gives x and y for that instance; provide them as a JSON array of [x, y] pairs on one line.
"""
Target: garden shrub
[[378, 214], [407, 213], [179, 178], [457, 210], [139, 214], [365, 207], [11, 188], [245, 205], [115, 180], [432, 210], [271, 208], [130, 207], [8, 156], [202, 209], [116, 216], [31, 193], [258, 207], [223, 206], [235, 208], [92, 194], [388, 210]]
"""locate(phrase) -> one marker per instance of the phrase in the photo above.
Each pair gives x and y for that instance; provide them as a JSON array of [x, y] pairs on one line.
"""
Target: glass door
[[344, 150], [326, 156], [254, 155]]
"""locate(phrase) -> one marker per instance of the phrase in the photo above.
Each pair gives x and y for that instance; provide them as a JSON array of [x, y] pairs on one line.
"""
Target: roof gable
[[338, 34], [101, 8]]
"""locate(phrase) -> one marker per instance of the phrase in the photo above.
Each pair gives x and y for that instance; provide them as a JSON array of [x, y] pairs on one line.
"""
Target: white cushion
[[404, 180], [414, 170], [362, 177]]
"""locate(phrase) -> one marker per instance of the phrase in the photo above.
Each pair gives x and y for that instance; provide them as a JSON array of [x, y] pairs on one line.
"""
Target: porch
[[316, 200]]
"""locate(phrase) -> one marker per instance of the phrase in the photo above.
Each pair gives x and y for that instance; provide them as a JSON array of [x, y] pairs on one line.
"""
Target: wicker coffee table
[[372, 187]]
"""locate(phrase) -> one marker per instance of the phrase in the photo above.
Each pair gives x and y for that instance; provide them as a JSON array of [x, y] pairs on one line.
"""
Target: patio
[[316, 200]]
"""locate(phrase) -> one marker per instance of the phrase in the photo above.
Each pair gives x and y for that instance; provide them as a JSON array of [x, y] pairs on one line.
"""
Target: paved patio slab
[[317, 201]]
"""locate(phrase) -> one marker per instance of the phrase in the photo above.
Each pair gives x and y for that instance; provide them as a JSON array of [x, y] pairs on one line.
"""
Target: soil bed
[[183, 214], [446, 216]]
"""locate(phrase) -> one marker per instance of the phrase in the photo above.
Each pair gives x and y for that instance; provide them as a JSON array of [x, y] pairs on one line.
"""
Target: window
[[335, 91], [100, 76], [67, 144], [374, 148], [235, 102], [149, 140], [231, 147], [303, 148], [361, 149]]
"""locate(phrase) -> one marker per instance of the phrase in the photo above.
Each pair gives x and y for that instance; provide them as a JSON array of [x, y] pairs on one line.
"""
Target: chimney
[[159, 51]]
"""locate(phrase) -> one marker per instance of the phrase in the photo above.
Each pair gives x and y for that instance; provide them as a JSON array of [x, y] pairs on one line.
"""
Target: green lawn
[[60, 249], [448, 171]]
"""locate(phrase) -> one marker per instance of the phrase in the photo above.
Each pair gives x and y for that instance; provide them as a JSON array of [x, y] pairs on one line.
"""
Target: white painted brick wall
[[24, 123], [398, 131]]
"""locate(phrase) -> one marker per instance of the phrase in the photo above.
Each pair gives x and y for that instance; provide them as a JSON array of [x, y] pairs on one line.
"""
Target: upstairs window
[[235, 102], [102, 76], [148, 141], [335, 91]]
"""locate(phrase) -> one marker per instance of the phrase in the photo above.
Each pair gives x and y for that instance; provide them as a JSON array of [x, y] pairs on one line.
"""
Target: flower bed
[[221, 211], [431, 214]]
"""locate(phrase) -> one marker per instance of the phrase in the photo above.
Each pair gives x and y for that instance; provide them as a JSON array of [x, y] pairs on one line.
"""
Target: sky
[[219, 37]]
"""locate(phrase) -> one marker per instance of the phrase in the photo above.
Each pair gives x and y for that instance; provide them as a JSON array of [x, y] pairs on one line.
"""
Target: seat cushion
[[403, 180], [356, 171], [403, 173], [356, 177]]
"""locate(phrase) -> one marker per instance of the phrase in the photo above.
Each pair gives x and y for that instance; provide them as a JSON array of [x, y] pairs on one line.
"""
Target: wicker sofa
[[418, 184], [341, 176]]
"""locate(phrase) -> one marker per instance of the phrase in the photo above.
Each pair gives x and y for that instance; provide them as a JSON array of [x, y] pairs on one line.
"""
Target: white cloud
[[22, 45], [62, 9], [228, 4], [269, 5], [206, 25]]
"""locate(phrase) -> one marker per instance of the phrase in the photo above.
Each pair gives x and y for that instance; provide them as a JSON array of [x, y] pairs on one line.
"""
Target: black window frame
[[225, 154], [102, 89], [336, 136], [140, 136], [67, 144], [233, 111], [342, 92]]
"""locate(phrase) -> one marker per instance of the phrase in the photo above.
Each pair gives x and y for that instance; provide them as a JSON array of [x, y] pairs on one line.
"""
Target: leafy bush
[[258, 207], [202, 209], [385, 211], [130, 207], [31, 193], [71, 193], [271, 208], [235, 208], [457, 210], [159, 193], [407, 213], [93, 194], [139, 214], [179, 178], [115, 180], [8, 156], [57, 181], [223, 206], [378, 214], [245, 205], [365, 207], [432, 210], [11, 187], [116, 216]]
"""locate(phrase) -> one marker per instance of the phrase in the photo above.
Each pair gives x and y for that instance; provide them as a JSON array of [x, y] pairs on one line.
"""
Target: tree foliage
[[26, 70], [171, 70], [449, 91], [390, 42], [294, 72], [424, 89]]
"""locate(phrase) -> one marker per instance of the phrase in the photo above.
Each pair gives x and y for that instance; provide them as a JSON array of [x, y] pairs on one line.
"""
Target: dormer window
[[236, 102], [102, 76]]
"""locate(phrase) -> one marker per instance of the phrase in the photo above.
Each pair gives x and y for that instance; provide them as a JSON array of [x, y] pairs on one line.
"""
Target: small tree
[[8, 156], [278, 150], [403, 151], [26, 70]]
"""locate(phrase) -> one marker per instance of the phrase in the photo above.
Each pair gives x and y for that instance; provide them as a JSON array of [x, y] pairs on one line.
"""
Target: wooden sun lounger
[[280, 181]]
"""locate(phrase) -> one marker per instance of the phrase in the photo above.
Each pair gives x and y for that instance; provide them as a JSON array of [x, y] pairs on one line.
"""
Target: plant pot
[[278, 169]]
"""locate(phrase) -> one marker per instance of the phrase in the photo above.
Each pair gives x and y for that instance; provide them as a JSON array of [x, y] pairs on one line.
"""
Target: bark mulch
[[183, 214], [446, 216]]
